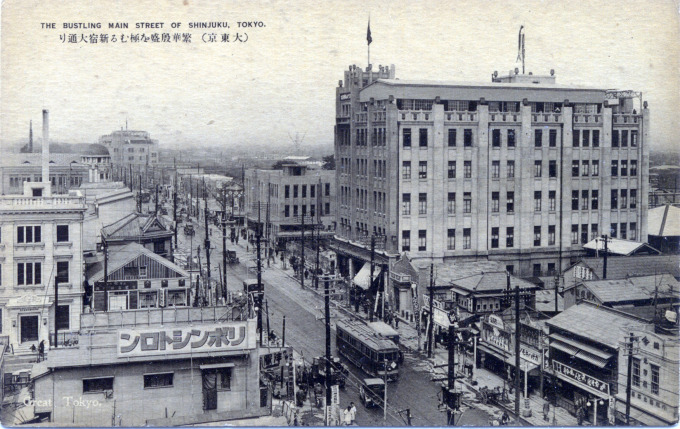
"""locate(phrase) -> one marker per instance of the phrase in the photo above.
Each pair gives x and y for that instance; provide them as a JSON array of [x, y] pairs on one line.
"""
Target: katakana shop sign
[[529, 354], [226, 336], [492, 335], [570, 374]]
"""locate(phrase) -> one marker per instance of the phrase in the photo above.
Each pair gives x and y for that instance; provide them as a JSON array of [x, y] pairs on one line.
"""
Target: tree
[[329, 162]]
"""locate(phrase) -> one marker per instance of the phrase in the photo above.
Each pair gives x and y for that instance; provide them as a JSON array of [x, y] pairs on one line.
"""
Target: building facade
[[131, 148], [292, 192], [518, 170], [40, 242], [67, 171]]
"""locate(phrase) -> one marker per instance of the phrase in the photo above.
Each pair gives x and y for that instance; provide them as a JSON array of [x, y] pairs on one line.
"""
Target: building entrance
[[209, 389], [29, 328]]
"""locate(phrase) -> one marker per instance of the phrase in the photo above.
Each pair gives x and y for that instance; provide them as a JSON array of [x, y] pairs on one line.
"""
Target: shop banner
[[225, 336], [571, 374]]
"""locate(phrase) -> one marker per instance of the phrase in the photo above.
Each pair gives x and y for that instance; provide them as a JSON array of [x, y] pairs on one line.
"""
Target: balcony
[[361, 117], [415, 115], [461, 116], [587, 118], [626, 118], [551, 118], [57, 202]]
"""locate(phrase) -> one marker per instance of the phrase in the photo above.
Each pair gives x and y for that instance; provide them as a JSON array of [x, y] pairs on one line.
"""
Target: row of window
[[422, 239], [33, 234], [303, 188], [361, 228], [580, 235], [62, 180], [30, 273], [152, 381], [654, 375], [620, 200], [303, 208]]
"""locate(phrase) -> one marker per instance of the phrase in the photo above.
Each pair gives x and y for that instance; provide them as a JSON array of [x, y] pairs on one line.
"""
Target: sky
[[281, 81]]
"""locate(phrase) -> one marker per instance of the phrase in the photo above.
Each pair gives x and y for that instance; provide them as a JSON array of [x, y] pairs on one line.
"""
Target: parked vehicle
[[372, 392], [189, 230], [231, 257]]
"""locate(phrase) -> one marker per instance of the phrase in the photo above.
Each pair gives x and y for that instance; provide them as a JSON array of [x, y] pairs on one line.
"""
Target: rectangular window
[[633, 230], [467, 137], [467, 202], [495, 169], [633, 198], [575, 168], [496, 138], [584, 168], [596, 138], [551, 235], [406, 170], [633, 138], [62, 272], [509, 236], [422, 240], [495, 202], [452, 137], [537, 201], [615, 167], [511, 138], [406, 204], [594, 202], [63, 318], [328, 189], [575, 138], [633, 167], [406, 241], [551, 269], [312, 191], [552, 200], [29, 273], [586, 138], [422, 169], [624, 138], [623, 231], [295, 191], [224, 376], [654, 369], [552, 168], [593, 231], [584, 233], [494, 238], [552, 138], [152, 381], [537, 235], [451, 203], [615, 138], [452, 169], [286, 210], [613, 230], [596, 167], [422, 137], [467, 238], [327, 208], [538, 168], [538, 138], [510, 202], [636, 372], [295, 210], [574, 200], [406, 135], [62, 233], [624, 199], [624, 167], [574, 234], [467, 169], [422, 203], [585, 200], [511, 169], [537, 270], [451, 239], [91, 385], [29, 234], [615, 198], [304, 191], [286, 191]]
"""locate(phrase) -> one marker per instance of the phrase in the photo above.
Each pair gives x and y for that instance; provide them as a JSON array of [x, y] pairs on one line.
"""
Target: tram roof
[[367, 335]]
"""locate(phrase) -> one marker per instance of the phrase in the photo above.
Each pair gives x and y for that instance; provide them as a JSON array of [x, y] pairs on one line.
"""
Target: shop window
[[94, 385], [152, 381]]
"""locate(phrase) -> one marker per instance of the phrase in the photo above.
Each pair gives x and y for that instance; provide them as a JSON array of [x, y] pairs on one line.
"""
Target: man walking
[[546, 410], [352, 412]]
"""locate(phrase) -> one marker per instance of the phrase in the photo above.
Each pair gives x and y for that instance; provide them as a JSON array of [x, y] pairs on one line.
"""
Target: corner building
[[518, 170]]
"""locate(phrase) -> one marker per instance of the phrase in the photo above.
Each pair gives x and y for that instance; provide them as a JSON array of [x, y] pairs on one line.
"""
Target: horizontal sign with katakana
[[226, 336]]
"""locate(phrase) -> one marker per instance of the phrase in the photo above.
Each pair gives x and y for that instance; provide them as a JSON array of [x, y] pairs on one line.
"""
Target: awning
[[524, 365], [218, 365], [362, 279], [585, 347], [564, 347], [582, 351]]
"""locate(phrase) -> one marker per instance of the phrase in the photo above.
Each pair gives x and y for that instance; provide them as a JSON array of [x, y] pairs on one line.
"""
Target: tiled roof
[[132, 225], [634, 288], [621, 267], [600, 324], [35, 159], [545, 301], [616, 246], [664, 221], [121, 256]]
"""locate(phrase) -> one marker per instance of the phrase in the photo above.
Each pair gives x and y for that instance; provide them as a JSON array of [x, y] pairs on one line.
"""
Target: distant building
[[520, 170], [664, 228], [67, 171], [131, 148], [107, 202], [620, 268], [145, 229], [292, 192]]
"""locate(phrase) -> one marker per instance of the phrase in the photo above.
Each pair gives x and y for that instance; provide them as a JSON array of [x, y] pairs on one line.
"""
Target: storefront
[[174, 374]]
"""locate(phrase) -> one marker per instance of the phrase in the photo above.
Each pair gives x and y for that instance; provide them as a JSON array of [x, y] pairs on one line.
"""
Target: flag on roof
[[369, 39]]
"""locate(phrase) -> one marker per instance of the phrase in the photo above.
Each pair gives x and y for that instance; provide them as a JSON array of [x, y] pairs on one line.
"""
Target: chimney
[[46, 147], [30, 137]]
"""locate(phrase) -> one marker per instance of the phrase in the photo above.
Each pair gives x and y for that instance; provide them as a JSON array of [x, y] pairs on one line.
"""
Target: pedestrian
[[347, 416], [353, 411], [504, 418], [579, 416], [546, 410]]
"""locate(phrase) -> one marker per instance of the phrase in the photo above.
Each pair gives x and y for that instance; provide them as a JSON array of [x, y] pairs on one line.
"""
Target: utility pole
[[267, 231], [370, 282], [155, 212], [174, 208], [430, 324], [517, 352], [452, 369], [629, 380], [606, 251], [327, 311], [106, 274], [139, 196], [302, 253], [207, 240], [56, 306], [260, 286], [224, 244], [316, 265]]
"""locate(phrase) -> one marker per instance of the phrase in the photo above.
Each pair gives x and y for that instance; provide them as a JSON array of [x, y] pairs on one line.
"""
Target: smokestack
[[30, 137], [46, 147]]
